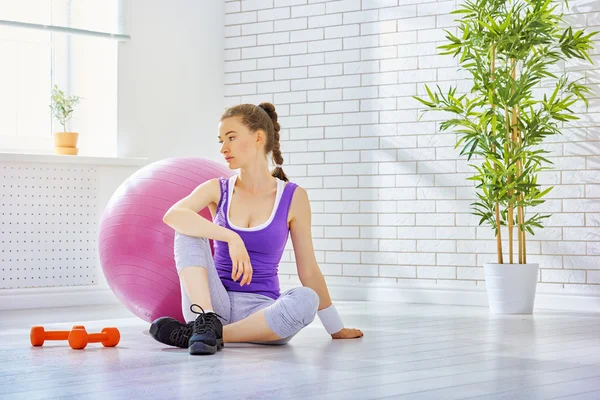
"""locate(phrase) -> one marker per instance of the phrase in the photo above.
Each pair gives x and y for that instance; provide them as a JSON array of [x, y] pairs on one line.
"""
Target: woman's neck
[[256, 180]]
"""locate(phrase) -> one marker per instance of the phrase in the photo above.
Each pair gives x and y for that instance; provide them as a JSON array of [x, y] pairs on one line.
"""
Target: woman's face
[[239, 146]]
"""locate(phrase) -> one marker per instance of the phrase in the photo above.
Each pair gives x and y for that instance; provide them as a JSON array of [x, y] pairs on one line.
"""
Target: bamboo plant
[[510, 48]]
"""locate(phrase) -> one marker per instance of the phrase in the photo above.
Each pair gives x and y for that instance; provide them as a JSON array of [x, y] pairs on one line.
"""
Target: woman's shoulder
[[222, 181], [299, 205], [293, 186], [292, 183], [299, 194], [215, 183]]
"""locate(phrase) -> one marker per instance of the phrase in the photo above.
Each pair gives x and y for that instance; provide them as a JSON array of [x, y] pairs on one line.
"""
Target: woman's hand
[[240, 261], [347, 333]]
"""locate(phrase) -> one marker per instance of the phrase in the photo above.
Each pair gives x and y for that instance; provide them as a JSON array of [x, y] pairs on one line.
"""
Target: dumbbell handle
[[56, 335], [96, 337]]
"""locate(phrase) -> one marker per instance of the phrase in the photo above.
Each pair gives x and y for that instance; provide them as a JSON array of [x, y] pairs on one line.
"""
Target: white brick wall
[[388, 191]]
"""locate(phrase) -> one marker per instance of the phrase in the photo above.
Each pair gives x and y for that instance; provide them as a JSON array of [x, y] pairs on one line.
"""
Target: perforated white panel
[[47, 225]]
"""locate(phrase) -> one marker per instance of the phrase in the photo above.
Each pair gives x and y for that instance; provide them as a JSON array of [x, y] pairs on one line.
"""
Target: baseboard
[[453, 296], [567, 302], [21, 299]]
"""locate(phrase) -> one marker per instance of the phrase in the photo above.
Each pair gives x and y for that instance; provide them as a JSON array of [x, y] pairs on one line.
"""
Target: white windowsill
[[60, 159]]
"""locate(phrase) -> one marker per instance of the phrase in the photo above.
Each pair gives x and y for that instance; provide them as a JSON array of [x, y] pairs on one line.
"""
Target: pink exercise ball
[[136, 246]]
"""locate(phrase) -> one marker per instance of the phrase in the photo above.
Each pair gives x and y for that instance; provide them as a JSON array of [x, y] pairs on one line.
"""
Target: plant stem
[[521, 234], [520, 210], [523, 258], [497, 216], [513, 65], [510, 233], [521, 207], [524, 241], [510, 212]]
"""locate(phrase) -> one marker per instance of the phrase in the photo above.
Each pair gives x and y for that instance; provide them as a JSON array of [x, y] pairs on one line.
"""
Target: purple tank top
[[265, 243]]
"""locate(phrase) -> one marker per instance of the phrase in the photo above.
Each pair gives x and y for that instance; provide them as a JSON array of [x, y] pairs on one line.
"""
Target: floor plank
[[409, 351]]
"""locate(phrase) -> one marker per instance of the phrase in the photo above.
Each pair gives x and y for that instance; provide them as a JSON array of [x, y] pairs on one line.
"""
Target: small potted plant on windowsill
[[62, 109]]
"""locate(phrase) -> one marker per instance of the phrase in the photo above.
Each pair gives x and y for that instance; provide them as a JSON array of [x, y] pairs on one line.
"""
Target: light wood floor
[[409, 351]]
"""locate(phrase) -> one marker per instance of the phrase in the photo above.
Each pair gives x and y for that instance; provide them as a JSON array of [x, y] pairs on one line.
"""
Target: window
[[36, 53]]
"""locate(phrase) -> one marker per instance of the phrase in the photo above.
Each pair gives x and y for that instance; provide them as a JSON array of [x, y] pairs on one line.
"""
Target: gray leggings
[[295, 309]]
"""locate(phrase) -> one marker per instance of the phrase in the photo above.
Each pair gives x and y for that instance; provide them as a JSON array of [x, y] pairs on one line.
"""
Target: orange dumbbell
[[79, 338], [38, 335]]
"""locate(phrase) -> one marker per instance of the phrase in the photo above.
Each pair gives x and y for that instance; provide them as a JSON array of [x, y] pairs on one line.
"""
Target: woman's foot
[[171, 332], [207, 335]]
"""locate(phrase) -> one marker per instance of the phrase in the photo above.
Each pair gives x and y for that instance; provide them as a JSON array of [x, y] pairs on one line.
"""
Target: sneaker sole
[[203, 349]]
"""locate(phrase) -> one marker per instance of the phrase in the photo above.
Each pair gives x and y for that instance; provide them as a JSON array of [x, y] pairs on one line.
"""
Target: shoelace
[[202, 325], [181, 336]]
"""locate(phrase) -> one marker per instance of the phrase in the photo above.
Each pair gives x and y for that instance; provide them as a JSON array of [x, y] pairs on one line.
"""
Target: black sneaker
[[171, 332], [207, 336]]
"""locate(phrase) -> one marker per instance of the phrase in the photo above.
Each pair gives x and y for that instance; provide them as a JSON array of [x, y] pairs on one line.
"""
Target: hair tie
[[277, 165]]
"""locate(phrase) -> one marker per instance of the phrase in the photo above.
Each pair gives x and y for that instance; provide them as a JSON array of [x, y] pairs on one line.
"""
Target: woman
[[253, 214]]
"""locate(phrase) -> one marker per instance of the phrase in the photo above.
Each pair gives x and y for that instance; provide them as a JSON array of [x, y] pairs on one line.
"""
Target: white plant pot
[[511, 287]]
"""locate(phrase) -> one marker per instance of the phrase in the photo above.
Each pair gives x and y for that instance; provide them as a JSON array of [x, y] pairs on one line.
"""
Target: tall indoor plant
[[62, 107], [509, 48]]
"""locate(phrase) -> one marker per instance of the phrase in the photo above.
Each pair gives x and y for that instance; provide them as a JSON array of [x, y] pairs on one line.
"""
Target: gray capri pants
[[295, 309]]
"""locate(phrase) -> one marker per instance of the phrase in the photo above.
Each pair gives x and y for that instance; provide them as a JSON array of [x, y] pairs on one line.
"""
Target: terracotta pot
[[66, 139], [66, 151]]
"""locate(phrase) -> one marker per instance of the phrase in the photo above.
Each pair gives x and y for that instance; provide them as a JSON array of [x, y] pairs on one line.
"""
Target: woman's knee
[[191, 251], [307, 303], [294, 310]]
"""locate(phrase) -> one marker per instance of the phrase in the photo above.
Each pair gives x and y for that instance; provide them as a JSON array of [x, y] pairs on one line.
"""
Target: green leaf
[[427, 103], [461, 11]]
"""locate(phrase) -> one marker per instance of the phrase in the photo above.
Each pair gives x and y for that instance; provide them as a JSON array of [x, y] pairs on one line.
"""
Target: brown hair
[[262, 117]]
